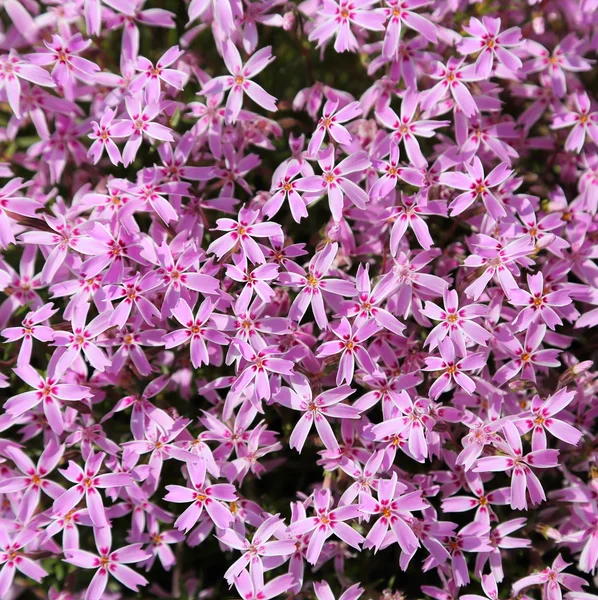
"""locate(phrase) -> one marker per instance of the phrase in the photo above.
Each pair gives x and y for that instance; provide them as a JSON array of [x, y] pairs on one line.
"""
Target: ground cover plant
[[298, 299]]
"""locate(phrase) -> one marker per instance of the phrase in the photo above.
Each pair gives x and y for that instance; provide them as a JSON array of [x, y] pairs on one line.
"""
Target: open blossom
[[583, 123], [102, 136], [314, 285], [31, 329], [66, 63], [87, 484], [334, 181], [452, 79], [12, 69], [391, 510], [151, 76], [323, 592], [254, 550], [49, 392], [457, 323], [525, 356], [539, 306], [33, 478], [202, 495], [196, 330], [139, 124], [13, 558], [239, 82], [492, 44], [108, 562], [552, 578], [541, 419], [406, 129], [338, 17], [451, 369], [478, 186], [331, 123], [401, 13], [521, 467], [316, 410], [240, 235], [326, 523], [350, 345]]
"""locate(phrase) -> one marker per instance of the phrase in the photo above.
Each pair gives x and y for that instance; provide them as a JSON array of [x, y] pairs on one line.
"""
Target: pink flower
[[34, 478], [337, 17], [330, 123], [452, 78], [13, 557], [584, 123], [399, 13], [457, 323], [283, 188], [102, 134], [327, 523], [522, 476], [405, 128], [452, 369], [151, 75], [323, 592], [139, 124], [67, 65], [49, 392], [108, 562], [541, 419], [31, 329], [257, 367], [315, 286], [315, 410], [525, 356], [247, 588], [492, 44], [254, 550], [393, 508], [12, 69], [202, 495], [334, 182], [552, 578], [196, 330], [241, 81], [240, 235], [351, 346], [478, 186], [88, 484], [538, 304]]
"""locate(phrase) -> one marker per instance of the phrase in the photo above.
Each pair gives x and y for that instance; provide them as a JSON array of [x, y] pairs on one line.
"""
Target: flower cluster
[[298, 298]]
